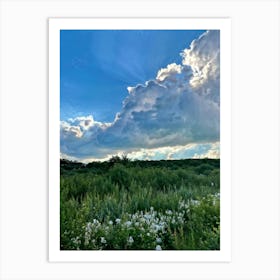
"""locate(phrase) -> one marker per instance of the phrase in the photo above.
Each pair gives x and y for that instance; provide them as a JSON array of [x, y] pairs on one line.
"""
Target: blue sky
[[97, 66], [151, 94]]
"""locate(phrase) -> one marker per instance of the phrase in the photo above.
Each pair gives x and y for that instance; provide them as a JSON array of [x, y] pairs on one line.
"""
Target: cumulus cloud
[[203, 57], [76, 134], [171, 70], [181, 106]]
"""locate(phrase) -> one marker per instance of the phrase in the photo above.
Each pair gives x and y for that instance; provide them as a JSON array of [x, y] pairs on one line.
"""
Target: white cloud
[[70, 130], [178, 108], [203, 57], [78, 127], [171, 70], [174, 152], [203, 150]]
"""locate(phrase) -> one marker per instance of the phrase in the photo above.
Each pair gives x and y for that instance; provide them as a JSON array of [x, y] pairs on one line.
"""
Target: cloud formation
[[180, 107], [209, 150]]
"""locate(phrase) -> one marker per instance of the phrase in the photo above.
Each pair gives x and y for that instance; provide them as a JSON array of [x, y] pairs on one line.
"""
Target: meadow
[[140, 205]]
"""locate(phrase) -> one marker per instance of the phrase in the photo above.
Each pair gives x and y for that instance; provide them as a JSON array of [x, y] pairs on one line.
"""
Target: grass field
[[140, 205]]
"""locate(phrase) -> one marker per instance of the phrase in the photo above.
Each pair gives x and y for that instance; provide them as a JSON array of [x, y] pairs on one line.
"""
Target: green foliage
[[140, 205]]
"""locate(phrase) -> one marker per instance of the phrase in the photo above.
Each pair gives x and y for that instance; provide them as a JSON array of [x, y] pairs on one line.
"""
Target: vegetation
[[140, 205]]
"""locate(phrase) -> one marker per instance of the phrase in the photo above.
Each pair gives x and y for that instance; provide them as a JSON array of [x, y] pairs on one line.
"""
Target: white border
[[255, 137], [55, 254]]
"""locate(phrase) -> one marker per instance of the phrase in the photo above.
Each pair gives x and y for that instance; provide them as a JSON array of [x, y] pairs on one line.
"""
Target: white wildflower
[[118, 221], [77, 242], [158, 240], [88, 227], [157, 227], [128, 223], [103, 240], [110, 222], [158, 248], [130, 240], [142, 220], [147, 216]]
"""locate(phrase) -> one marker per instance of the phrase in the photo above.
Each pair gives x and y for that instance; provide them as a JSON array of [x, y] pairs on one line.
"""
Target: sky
[[149, 94]]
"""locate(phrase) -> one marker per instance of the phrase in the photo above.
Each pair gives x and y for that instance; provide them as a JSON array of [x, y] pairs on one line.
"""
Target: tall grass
[[171, 205]]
